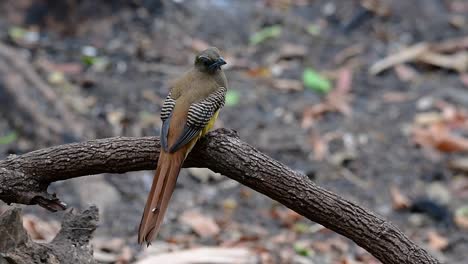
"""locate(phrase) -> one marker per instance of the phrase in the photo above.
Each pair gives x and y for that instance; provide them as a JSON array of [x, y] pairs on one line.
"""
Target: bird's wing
[[166, 113], [198, 116]]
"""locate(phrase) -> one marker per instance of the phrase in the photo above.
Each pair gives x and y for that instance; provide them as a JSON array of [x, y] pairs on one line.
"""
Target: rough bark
[[24, 179], [71, 245]]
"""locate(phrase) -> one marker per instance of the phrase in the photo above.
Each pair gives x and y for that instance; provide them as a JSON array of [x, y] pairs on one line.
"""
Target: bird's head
[[209, 60]]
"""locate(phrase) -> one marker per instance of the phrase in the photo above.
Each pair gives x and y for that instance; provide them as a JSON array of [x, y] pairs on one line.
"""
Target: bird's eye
[[204, 60]]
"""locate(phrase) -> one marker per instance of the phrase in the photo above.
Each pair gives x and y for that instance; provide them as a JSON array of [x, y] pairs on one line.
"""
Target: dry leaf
[[344, 81], [66, 68], [326, 246], [181, 239], [259, 72], [287, 216], [459, 164], [464, 79], [245, 193], [461, 217], [347, 260], [229, 204], [288, 85], [339, 98], [125, 257], [339, 244], [399, 200], [442, 131], [347, 53], [439, 137], [311, 114], [436, 241], [321, 246], [266, 258], [395, 97], [405, 72], [319, 146], [290, 51], [243, 240], [457, 61], [458, 21], [206, 255], [40, 230], [453, 117], [450, 45], [201, 224], [284, 237], [428, 118]]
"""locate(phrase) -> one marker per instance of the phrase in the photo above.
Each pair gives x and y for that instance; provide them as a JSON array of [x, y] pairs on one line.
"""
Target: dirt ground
[[111, 63]]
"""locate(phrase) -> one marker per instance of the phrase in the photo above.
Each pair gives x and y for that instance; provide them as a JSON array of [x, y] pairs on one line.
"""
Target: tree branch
[[24, 179]]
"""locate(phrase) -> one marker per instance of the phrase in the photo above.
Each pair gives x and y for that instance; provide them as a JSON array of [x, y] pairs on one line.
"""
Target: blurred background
[[369, 98]]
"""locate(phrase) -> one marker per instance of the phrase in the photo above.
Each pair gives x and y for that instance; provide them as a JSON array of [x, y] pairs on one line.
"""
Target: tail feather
[[165, 178]]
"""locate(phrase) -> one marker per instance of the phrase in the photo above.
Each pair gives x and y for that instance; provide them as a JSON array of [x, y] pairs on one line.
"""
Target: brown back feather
[[190, 88], [165, 178]]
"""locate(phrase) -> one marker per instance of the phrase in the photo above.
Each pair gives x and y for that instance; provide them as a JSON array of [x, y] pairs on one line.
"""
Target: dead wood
[[24, 179], [71, 245]]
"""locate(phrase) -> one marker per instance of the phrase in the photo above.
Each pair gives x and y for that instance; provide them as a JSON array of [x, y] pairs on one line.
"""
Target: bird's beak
[[220, 61], [217, 64]]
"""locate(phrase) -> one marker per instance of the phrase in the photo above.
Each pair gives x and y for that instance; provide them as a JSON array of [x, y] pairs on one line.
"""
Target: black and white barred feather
[[167, 107], [198, 116], [200, 113]]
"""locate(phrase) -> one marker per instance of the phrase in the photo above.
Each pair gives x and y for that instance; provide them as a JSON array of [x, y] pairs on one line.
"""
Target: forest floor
[[309, 86]]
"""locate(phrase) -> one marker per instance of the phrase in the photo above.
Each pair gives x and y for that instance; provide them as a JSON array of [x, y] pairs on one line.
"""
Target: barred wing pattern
[[167, 107], [166, 113], [199, 115]]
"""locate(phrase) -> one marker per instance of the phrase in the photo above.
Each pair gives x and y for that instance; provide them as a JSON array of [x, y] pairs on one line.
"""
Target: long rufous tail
[[169, 165]]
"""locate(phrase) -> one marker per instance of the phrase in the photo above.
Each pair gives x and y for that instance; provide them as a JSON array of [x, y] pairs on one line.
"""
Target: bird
[[188, 113]]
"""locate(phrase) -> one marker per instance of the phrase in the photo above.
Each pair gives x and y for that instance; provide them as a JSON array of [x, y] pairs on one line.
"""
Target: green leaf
[[264, 34], [462, 211], [301, 250], [88, 60], [314, 81], [8, 139], [313, 29], [301, 228], [16, 33], [56, 77], [232, 97]]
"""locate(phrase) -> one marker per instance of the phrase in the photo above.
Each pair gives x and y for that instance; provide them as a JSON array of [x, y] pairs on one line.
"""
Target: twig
[[403, 56], [429, 53]]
